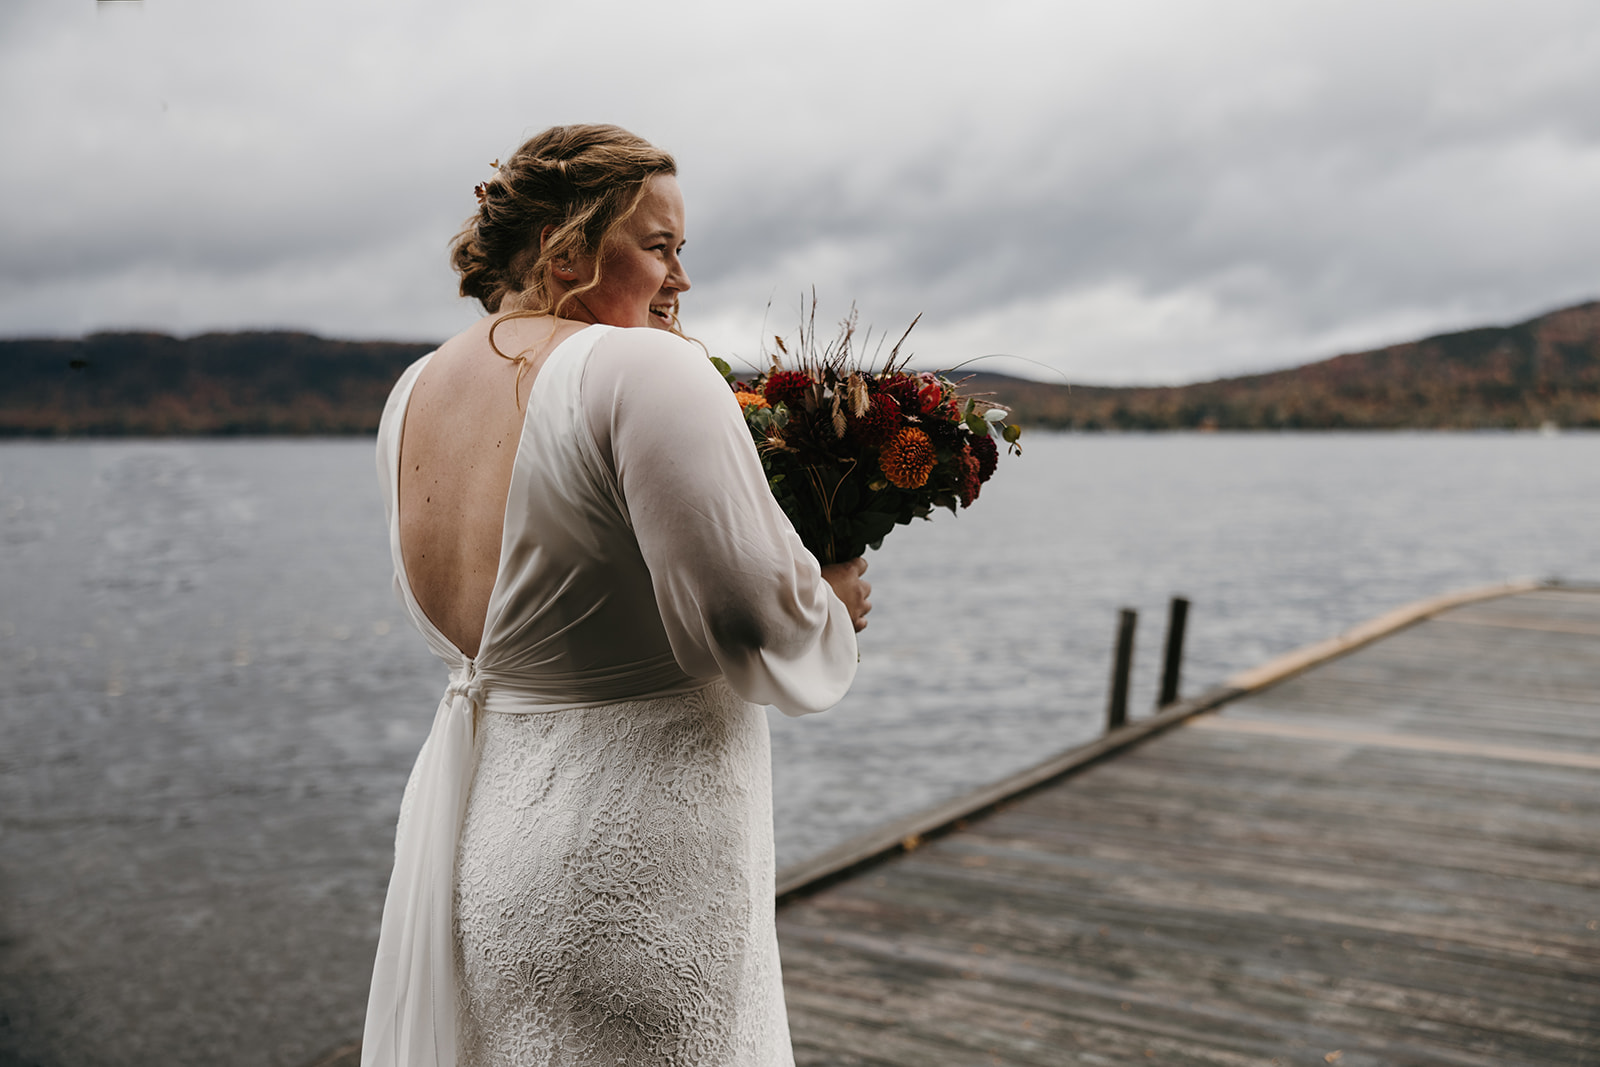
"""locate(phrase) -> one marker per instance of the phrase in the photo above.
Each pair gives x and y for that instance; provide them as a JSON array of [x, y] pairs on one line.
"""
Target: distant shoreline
[[1545, 371]]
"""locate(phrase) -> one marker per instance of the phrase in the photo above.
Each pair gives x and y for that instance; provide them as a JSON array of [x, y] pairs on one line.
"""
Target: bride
[[581, 530]]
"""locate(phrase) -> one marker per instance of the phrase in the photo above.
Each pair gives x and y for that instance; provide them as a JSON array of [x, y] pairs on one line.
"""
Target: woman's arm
[[738, 592]]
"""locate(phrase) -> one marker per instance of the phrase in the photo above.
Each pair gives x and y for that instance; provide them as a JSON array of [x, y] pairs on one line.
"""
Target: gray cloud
[[1145, 190]]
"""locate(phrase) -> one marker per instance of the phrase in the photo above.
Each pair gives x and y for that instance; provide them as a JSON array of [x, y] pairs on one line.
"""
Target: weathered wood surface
[[870, 847], [1392, 858]]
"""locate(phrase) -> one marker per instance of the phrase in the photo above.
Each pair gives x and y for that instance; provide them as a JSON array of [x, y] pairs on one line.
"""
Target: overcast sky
[[1125, 191]]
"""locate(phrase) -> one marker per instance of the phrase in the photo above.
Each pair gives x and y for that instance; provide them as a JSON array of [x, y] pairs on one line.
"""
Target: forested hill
[[1543, 370], [216, 383]]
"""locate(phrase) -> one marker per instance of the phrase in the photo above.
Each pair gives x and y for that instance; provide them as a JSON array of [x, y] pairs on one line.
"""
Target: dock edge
[[906, 834]]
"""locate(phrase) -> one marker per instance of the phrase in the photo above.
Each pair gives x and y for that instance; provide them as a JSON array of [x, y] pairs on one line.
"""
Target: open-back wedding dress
[[583, 864]]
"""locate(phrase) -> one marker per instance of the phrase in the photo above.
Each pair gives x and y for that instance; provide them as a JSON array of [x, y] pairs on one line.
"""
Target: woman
[[581, 530]]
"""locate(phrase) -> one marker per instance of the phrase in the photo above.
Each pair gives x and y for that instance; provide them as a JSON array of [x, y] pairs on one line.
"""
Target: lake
[[212, 698]]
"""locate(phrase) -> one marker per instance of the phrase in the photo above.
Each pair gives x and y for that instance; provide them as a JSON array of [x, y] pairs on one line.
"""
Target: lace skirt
[[614, 889]]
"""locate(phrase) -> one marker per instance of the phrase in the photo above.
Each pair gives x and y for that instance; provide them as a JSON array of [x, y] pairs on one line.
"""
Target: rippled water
[[211, 697]]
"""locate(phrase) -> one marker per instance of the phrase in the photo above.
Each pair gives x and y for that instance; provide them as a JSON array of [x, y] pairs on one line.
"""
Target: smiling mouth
[[662, 312]]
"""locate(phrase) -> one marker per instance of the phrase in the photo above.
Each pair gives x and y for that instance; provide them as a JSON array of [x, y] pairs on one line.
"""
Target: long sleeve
[[738, 592]]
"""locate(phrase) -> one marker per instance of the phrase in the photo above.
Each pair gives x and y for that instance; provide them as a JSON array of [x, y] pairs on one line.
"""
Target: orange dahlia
[[908, 459], [750, 400]]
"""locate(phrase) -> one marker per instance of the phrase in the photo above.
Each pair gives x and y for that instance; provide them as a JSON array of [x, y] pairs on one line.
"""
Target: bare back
[[458, 447]]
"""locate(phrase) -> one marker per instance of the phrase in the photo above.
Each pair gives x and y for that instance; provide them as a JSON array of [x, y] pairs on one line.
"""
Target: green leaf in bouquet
[[874, 526], [723, 368]]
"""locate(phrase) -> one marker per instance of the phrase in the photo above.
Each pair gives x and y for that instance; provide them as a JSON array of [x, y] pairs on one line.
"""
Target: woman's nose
[[679, 278]]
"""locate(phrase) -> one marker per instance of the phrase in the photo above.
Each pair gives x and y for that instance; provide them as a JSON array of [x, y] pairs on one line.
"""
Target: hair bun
[[575, 183]]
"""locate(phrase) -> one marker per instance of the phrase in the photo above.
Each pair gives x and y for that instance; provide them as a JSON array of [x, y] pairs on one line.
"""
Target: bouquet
[[850, 453]]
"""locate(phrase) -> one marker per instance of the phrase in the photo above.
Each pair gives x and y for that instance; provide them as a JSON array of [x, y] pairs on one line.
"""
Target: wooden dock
[[1382, 851]]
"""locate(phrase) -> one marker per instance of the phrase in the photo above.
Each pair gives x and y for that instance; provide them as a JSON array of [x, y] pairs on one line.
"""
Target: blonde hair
[[582, 183]]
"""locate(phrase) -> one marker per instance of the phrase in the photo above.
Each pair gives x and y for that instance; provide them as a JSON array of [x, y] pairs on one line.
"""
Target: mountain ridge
[[1543, 370], [154, 384]]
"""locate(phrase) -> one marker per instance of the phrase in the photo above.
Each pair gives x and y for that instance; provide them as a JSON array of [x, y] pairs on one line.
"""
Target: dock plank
[[1215, 896]]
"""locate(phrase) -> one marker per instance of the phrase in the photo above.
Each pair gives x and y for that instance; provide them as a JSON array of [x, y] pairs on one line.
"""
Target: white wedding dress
[[583, 864]]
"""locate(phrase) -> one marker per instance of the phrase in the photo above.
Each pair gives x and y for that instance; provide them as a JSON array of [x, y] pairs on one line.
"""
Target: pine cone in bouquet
[[850, 453]]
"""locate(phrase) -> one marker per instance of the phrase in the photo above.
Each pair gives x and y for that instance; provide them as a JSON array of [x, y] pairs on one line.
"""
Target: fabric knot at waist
[[468, 685]]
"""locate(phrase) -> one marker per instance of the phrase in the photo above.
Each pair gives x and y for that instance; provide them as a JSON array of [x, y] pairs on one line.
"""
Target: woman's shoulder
[[645, 342], [645, 358], [644, 384]]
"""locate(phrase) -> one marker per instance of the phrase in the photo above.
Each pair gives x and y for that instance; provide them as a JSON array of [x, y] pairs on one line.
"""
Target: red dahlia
[[882, 419], [903, 387], [970, 481], [787, 386], [987, 453]]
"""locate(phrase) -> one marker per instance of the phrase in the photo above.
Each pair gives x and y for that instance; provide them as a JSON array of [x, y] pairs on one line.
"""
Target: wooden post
[[1177, 617], [1117, 711]]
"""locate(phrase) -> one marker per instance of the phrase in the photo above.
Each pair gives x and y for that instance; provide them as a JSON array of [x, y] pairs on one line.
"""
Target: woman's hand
[[849, 587]]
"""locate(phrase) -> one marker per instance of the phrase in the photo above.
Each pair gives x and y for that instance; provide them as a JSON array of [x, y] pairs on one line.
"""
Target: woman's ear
[[564, 269]]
